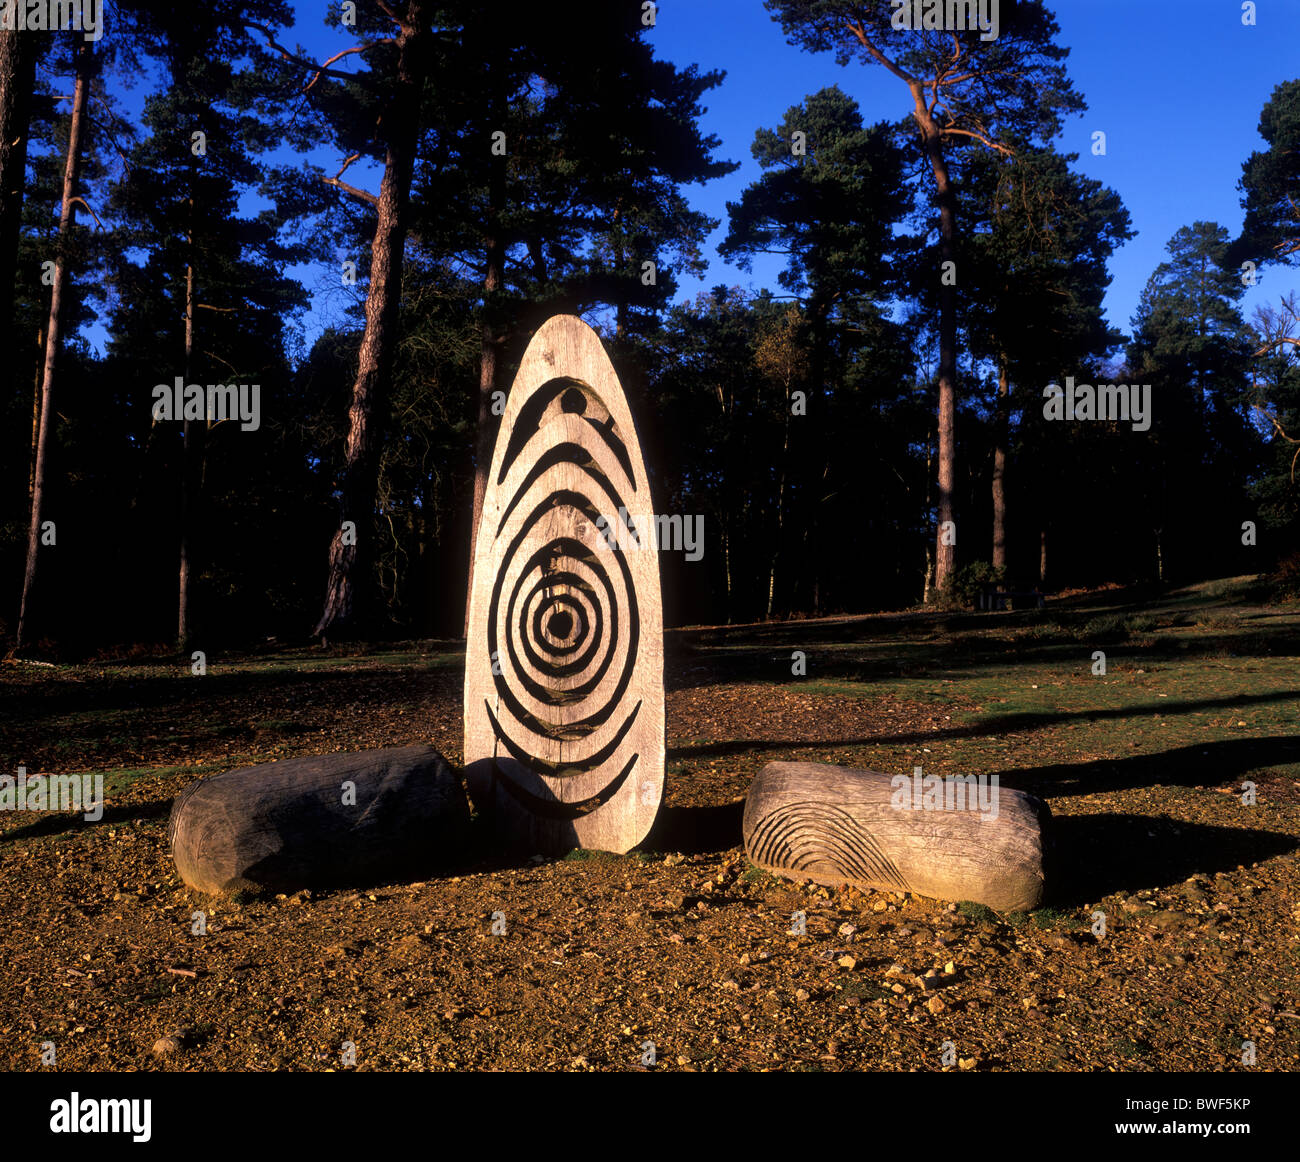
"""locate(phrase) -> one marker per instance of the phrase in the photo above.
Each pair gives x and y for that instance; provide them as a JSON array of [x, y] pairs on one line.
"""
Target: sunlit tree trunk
[[489, 351], [188, 473], [67, 218], [1002, 422], [400, 125]]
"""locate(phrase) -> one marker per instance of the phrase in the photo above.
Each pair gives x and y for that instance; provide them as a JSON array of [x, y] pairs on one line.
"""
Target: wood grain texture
[[288, 825], [835, 825], [564, 701]]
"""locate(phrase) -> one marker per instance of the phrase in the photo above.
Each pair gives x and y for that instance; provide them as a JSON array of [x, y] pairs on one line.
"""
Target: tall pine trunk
[[1002, 422], [37, 380], [67, 218], [945, 550], [400, 126], [489, 352], [927, 590], [188, 473], [780, 507]]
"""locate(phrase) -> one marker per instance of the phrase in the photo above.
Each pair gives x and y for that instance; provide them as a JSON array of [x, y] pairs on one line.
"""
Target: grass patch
[[1129, 1049], [583, 855], [981, 913], [123, 777], [1053, 918], [857, 986], [1117, 627]]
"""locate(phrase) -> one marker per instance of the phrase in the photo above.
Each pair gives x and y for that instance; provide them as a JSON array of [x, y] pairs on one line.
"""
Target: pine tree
[[964, 90], [830, 196]]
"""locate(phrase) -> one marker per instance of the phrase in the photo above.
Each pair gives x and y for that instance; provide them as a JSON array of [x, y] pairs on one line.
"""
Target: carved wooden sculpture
[[564, 705], [951, 840]]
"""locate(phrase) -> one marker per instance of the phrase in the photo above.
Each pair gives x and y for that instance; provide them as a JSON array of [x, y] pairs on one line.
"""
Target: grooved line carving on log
[[832, 824], [799, 836], [564, 660]]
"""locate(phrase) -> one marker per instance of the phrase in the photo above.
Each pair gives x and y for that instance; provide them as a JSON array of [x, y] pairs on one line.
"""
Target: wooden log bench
[[319, 821], [953, 840]]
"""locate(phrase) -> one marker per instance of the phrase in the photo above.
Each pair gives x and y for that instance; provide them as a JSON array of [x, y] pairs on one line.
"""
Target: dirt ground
[[682, 955]]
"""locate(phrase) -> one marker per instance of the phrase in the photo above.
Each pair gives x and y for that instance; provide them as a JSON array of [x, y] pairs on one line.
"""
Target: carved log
[[564, 702], [948, 839], [299, 824]]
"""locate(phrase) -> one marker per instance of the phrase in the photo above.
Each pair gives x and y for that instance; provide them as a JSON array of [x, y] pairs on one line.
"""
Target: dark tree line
[[866, 434]]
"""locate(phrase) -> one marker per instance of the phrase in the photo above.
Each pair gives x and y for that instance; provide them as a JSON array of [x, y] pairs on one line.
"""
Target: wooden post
[[564, 700], [951, 839]]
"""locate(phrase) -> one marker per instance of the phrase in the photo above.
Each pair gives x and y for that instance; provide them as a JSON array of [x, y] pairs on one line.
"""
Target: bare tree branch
[[355, 48], [1277, 427], [79, 198]]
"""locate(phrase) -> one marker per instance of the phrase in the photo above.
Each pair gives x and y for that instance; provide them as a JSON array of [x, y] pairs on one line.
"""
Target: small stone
[[168, 1044], [967, 1062], [935, 1005], [800, 994], [849, 962]]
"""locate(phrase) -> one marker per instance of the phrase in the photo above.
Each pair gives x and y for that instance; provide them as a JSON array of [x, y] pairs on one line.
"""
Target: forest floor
[[684, 946]]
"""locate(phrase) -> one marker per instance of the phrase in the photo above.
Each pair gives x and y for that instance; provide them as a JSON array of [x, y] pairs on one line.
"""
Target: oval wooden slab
[[835, 825], [564, 701]]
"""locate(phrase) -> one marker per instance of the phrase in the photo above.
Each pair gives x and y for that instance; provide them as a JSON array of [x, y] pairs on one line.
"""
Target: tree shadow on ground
[[62, 823], [1206, 764], [1098, 855]]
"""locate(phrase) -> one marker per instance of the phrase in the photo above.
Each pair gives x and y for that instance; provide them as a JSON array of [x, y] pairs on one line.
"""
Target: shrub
[[1285, 579], [968, 582]]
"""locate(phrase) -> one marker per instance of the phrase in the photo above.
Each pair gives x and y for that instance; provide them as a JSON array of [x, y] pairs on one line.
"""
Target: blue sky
[[1176, 85]]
